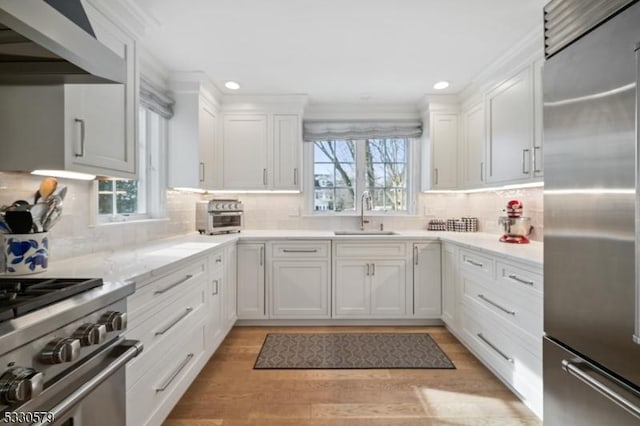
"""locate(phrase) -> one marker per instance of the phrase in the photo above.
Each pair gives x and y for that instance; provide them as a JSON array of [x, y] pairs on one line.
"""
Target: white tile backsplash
[[73, 235]]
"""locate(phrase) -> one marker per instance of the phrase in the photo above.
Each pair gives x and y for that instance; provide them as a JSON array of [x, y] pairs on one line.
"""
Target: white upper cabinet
[[538, 165], [473, 134], [194, 142], [262, 143], [510, 129], [440, 144], [287, 141], [246, 146], [89, 128]]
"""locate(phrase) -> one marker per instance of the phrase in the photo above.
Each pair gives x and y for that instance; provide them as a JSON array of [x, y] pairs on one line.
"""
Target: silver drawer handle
[[491, 302], [176, 321], [492, 346], [175, 374], [300, 251], [166, 289], [520, 280], [215, 293], [572, 367], [474, 263]]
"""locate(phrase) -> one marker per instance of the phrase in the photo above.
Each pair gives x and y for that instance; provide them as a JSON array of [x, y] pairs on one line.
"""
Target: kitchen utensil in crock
[[47, 186], [38, 211], [19, 221]]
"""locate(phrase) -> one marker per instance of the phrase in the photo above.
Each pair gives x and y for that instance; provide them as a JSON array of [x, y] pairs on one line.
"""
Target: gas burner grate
[[19, 296]]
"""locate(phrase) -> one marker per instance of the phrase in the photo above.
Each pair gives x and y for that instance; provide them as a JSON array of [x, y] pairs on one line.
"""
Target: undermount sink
[[365, 233]]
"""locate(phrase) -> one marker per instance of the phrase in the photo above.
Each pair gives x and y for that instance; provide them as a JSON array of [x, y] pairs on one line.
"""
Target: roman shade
[[338, 130], [155, 100]]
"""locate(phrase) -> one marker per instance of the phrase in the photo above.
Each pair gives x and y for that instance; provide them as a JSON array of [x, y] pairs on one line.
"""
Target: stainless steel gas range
[[62, 355]]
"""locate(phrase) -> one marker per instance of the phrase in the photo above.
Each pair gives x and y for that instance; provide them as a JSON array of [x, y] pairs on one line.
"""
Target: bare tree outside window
[[334, 175], [386, 173]]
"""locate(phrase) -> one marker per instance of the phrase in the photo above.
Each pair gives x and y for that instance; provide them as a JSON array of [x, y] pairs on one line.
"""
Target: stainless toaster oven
[[219, 216]]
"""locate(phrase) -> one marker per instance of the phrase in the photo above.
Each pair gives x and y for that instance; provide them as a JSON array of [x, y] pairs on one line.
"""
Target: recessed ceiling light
[[232, 85], [441, 85]]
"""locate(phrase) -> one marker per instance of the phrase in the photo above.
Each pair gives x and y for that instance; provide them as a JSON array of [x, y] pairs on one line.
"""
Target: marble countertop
[[156, 257]]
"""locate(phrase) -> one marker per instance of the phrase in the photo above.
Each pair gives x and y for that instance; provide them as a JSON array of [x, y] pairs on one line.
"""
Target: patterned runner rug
[[351, 351]]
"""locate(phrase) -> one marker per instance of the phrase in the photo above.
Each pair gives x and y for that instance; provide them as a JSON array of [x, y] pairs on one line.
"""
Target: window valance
[[155, 100], [338, 130]]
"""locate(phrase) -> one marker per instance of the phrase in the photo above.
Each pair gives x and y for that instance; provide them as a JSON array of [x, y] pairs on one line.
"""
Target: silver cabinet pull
[[520, 280], [494, 347], [82, 134], [524, 155], [367, 270], [219, 259], [201, 172], [415, 255], [436, 171], [481, 171], [264, 177], [474, 263], [175, 374], [373, 269], [491, 302], [573, 368], [535, 159], [215, 292], [300, 250], [174, 322], [177, 283], [295, 176], [261, 256]]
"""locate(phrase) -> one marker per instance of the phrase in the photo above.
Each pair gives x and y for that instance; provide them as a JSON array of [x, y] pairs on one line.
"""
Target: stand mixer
[[516, 228]]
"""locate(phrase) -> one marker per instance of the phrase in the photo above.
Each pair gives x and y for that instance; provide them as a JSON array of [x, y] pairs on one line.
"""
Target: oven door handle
[[131, 349], [226, 213]]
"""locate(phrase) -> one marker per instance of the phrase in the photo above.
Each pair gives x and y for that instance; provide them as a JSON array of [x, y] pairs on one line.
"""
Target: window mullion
[[360, 172]]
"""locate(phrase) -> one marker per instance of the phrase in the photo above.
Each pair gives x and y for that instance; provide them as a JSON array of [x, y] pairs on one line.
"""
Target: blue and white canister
[[25, 253]]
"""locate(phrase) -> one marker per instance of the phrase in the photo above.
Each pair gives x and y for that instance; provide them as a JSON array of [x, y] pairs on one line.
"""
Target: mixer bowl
[[516, 226]]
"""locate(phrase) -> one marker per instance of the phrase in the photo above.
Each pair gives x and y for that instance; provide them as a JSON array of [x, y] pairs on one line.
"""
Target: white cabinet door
[[209, 170], [108, 111], [388, 288], [245, 151], [450, 299], [287, 144], [427, 284], [229, 288], [251, 281], [444, 150], [300, 289], [351, 289], [473, 146], [214, 326], [510, 129]]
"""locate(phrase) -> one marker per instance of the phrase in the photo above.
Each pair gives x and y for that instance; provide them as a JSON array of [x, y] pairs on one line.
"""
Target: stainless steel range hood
[[42, 42]]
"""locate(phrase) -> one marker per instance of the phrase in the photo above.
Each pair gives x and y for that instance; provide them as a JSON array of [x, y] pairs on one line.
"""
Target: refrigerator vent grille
[[567, 20]]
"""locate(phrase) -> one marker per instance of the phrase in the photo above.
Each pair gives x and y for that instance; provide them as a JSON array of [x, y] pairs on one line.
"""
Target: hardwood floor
[[230, 392]]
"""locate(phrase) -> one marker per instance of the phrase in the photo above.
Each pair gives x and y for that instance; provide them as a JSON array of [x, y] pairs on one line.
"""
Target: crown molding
[[361, 111], [292, 102], [195, 82]]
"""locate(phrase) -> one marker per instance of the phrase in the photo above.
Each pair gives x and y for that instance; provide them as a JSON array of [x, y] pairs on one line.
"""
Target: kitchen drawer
[[300, 249], [476, 263], [517, 276], [159, 330], [365, 249], [152, 397], [516, 365], [164, 289], [520, 313]]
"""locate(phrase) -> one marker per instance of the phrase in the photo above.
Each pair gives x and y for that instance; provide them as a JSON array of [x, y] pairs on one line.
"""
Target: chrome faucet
[[365, 196]]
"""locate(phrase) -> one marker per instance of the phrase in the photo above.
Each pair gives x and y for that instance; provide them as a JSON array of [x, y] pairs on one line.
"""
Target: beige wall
[[74, 236]]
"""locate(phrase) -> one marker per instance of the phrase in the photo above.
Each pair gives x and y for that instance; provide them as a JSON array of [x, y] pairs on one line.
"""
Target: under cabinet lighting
[[441, 85], [486, 189], [64, 174], [232, 85]]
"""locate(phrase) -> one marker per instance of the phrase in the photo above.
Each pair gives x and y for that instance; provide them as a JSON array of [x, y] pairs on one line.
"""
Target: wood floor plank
[[229, 392]]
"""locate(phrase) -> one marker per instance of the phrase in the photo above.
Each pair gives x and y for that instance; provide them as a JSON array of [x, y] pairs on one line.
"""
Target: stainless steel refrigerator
[[591, 358]]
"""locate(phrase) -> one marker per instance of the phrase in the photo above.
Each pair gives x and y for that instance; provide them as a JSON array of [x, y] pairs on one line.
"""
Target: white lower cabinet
[[374, 286], [449, 286], [214, 326], [251, 281], [300, 274], [498, 315], [229, 288], [427, 282]]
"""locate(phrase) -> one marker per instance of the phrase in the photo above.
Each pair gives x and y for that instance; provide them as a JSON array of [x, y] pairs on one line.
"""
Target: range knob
[[19, 385], [114, 321], [58, 351], [91, 334]]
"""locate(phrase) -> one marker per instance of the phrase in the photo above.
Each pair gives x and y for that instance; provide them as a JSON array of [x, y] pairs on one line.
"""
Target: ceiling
[[337, 51]]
